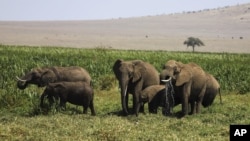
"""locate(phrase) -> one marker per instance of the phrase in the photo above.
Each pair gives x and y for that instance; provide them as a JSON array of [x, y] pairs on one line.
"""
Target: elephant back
[[211, 90], [72, 74]]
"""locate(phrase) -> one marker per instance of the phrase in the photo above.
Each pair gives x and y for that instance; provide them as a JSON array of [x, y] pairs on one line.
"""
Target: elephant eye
[[167, 67], [35, 76], [129, 74], [163, 67]]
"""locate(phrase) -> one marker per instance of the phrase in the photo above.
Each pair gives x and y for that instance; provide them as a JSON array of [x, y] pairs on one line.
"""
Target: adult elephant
[[42, 76], [212, 89], [134, 76], [190, 82]]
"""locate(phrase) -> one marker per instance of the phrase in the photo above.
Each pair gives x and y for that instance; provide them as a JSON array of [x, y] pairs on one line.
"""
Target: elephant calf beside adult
[[192, 85], [158, 96], [43, 76], [134, 76], [190, 82]]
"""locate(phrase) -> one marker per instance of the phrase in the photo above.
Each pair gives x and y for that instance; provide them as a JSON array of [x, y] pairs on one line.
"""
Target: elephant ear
[[48, 76], [116, 66], [56, 88], [177, 67], [137, 72], [59, 86], [183, 77], [35, 74]]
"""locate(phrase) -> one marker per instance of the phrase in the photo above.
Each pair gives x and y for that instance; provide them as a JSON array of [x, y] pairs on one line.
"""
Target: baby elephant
[[155, 95], [78, 93]]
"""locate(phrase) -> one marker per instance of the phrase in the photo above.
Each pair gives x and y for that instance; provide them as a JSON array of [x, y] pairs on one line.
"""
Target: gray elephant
[[190, 82], [155, 95], [78, 93], [212, 89], [134, 76], [42, 76]]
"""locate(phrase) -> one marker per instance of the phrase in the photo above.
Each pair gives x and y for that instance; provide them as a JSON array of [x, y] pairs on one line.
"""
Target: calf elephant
[[190, 80], [78, 93], [134, 76], [155, 95], [42, 76]]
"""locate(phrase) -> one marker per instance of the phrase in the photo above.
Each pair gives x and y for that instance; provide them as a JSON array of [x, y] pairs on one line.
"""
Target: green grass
[[22, 119]]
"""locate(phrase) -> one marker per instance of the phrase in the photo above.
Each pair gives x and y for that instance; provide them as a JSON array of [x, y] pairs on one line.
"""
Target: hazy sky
[[101, 9]]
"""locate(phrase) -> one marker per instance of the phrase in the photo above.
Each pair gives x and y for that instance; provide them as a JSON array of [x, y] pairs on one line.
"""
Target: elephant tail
[[220, 96], [91, 83]]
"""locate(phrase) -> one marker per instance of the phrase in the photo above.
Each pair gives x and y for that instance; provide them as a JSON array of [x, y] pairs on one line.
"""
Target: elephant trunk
[[21, 84], [124, 88], [164, 75], [167, 75]]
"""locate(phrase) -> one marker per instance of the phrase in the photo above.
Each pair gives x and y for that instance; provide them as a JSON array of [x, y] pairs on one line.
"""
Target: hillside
[[220, 29]]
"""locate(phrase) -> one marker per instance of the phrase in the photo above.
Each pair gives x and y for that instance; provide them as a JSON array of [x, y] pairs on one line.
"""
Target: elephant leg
[[126, 100], [152, 108], [51, 100], [85, 109], [135, 101], [138, 106], [85, 106], [91, 106], [56, 99], [62, 104], [198, 107], [42, 98], [193, 107], [185, 97], [200, 99], [185, 107]]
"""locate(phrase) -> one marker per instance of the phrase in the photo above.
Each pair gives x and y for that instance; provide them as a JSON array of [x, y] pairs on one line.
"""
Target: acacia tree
[[191, 41]]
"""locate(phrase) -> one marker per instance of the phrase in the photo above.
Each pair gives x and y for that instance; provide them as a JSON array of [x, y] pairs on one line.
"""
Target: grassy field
[[22, 119]]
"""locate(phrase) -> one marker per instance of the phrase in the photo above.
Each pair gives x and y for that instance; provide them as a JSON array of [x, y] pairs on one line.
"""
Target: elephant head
[[127, 72], [52, 92], [158, 96], [176, 71], [39, 77]]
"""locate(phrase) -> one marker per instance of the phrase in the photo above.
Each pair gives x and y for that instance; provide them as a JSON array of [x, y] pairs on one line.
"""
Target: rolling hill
[[223, 29]]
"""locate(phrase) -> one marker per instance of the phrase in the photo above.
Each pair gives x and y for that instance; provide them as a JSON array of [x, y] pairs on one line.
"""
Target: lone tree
[[191, 41]]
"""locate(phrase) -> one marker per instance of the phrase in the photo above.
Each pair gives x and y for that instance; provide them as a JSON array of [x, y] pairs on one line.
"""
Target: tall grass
[[19, 107], [232, 70]]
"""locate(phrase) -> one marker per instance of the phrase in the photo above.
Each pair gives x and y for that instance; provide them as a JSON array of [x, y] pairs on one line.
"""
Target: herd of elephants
[[177, 83]]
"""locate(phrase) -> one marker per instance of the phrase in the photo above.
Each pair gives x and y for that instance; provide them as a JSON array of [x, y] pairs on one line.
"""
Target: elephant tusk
[[167, 80], [126, 90], [19, 79]]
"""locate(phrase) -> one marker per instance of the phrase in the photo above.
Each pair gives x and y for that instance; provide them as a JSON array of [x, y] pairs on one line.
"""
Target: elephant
[[78, 93], [155, 95], [213, 87], [42, 76], [134, 76], [190, 84]]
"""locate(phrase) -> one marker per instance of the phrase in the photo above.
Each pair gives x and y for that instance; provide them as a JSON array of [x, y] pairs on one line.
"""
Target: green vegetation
[[22, 119]]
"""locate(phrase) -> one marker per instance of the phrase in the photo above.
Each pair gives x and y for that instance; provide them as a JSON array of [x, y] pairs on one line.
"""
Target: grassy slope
[[212, 124], [21, 119]]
